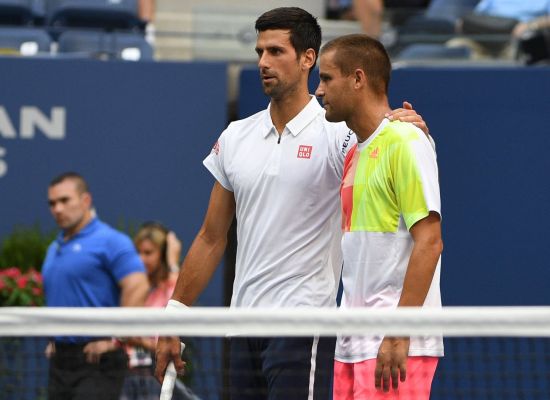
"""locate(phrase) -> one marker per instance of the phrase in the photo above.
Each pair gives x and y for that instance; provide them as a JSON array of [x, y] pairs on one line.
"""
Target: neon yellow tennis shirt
[[390, 182]]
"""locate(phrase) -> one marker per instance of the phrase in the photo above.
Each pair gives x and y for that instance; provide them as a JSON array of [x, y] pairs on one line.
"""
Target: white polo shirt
[[287, 204]]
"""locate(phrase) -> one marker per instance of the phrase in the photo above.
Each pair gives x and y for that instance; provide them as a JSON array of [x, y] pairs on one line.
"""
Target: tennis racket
[[170, 377]]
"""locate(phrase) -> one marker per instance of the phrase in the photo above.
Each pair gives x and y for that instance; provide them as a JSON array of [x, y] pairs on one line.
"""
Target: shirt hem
[[412, 353]]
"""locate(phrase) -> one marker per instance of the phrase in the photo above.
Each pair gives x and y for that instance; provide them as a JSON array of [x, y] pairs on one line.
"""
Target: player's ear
[[360, 78], [308, 59]]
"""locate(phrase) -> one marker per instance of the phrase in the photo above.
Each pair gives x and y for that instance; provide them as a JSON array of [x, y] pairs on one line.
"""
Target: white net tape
[[210, 321]]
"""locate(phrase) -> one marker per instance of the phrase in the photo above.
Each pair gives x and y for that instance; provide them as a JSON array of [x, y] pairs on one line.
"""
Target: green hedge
[[25, 248]]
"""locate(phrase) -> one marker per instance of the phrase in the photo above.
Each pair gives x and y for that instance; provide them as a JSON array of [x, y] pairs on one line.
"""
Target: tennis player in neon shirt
[[391, 220]]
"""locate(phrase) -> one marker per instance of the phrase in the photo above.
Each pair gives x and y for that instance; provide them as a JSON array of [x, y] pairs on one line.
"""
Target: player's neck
[[367, 118], [284, 109]]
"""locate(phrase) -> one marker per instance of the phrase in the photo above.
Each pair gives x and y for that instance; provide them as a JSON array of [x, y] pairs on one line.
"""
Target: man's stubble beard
[[280, 90]]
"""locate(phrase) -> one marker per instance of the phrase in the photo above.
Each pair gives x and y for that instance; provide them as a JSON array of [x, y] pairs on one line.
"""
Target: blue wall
[[492, 129], [138, 132]]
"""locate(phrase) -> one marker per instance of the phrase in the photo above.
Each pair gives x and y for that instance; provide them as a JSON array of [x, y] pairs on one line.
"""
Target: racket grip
[[169, 381]]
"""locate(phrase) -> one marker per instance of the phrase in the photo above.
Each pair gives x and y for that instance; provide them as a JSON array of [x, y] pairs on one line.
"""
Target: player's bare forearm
[[199, 265], [197, 269], [423, 261], [391, 362]]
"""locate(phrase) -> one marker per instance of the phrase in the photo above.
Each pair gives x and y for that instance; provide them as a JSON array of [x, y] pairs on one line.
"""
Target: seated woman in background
[[159, 250]]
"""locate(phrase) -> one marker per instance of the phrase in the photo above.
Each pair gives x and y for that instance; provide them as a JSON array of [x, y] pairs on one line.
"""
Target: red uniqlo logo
[[304, 151]]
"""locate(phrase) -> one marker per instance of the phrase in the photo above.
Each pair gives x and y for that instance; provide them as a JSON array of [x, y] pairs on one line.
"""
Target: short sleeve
[[416, 179], [123, 257], [214, 162]]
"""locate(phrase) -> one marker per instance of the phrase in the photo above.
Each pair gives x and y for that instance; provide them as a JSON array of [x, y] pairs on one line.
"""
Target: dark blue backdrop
[[138, 132]]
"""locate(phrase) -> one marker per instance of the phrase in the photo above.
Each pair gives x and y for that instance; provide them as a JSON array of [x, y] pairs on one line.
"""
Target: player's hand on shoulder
[[408, 114]]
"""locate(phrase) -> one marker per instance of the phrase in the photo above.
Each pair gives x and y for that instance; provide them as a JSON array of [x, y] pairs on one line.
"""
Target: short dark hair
[[80, 182], [305, 31], [361, 51]]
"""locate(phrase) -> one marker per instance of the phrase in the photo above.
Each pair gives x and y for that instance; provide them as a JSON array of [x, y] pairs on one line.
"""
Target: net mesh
[[490, 352]]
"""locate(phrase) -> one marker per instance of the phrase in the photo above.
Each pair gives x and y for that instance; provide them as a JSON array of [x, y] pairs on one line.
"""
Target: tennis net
[[490, 352]]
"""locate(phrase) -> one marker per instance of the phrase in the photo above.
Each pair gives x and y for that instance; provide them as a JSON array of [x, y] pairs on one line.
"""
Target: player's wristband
[[175, 305]]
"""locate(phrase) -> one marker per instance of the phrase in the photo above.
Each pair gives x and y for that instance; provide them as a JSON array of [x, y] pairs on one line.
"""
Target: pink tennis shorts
[[355, 381]]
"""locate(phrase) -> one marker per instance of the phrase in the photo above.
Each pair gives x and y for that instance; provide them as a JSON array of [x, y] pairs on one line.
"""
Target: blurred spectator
[[146, 9], [441, 18], [534, 46], [509, 18], [424, 37], [90, 264], [370, 13], [339, 9], [160, 251], [530, 14], [450, 10]]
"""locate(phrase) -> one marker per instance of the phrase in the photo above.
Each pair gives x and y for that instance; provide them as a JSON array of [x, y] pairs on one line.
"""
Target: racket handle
[[169, 381]]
